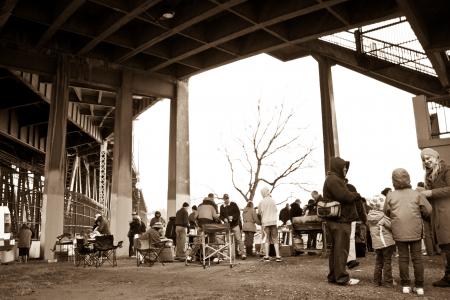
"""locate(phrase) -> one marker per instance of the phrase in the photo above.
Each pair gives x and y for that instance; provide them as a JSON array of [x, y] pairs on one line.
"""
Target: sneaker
[[406, 290], [419, 291], [243, 257], [352, 281], [278, 259], [266, 258], [352, 264]]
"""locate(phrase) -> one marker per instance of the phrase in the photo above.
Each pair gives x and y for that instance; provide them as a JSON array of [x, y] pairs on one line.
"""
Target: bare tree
[[263, 154]]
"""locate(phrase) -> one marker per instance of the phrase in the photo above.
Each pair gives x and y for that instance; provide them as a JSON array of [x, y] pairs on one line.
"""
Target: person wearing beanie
[[437, 191], [135, 228], [157, 218], [406, 208]]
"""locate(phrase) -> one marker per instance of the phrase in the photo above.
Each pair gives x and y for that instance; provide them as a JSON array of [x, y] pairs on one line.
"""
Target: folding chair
[[147, 252], [221, 248], [106, 250], [84, 254]]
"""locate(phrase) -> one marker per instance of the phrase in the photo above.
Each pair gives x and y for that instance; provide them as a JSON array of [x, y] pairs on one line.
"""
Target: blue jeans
[[339, 234], [383, 265], [405, 249]]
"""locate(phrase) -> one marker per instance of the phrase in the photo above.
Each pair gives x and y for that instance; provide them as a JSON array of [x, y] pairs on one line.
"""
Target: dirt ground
[[300, 277]]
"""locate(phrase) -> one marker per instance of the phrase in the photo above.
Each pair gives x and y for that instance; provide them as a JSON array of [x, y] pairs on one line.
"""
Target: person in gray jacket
[[250, 218], [406, 208]]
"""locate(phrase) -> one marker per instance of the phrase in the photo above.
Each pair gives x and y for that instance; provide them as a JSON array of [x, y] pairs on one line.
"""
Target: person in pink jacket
[[382, 241], [406, 208]]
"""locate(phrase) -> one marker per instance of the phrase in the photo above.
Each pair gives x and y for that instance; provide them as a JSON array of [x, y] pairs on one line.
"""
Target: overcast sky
[[376, 128]]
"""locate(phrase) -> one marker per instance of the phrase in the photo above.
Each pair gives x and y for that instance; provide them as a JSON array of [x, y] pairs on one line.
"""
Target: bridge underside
[[74, 73]]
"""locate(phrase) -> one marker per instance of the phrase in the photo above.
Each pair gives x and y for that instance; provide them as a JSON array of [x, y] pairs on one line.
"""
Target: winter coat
[[380, 229], [230, 210], [24, 237], [193, 219], [170, 230], [135, 228], [182, 218], [206, 210], [295, 211], [156, 219], [440, 201], [249, 218], [406, 207], [268, 209], [284, 215], [103, 226], [335, 189]]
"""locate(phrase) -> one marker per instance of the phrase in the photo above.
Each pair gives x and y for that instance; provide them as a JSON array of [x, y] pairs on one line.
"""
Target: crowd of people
[[398, 221]]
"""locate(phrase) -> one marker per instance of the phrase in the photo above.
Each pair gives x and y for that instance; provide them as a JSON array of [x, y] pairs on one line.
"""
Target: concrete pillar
[[55, 158], [329, 125], [179, 176], [121, 191], [422, 118]]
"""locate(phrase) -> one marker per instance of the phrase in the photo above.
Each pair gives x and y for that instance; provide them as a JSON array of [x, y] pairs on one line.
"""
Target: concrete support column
[[422, 118], [121, 190], [329, 125], [179, 176], [55, 158]]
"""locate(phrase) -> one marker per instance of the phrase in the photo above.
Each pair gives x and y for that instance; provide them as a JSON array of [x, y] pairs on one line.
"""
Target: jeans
[[181, 240], [339, 234], [311, 243], [383, 265], [428, 239], [249, 235], [405, 249]]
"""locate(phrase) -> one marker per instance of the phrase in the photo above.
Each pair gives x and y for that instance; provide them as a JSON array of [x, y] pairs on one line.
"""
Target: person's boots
[[443, 282]]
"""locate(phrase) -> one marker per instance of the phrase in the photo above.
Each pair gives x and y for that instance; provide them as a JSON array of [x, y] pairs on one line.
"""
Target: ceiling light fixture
[[167, 15]]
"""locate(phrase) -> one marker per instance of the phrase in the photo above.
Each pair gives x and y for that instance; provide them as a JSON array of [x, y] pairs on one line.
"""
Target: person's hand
[[426, 193], [225, 220], [230, 218]]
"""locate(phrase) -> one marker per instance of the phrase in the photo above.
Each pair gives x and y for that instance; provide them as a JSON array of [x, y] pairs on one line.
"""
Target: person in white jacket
[[269, 217]]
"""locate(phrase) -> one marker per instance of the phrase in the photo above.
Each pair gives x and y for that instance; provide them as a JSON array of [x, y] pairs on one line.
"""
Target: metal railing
[[393, 41]]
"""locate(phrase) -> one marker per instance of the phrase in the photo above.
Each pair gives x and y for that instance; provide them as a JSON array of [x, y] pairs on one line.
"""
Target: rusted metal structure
[[74, 73]]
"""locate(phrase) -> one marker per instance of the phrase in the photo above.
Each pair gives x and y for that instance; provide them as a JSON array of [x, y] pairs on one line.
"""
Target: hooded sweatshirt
[[267, 209], [335, 189], [406, 207]]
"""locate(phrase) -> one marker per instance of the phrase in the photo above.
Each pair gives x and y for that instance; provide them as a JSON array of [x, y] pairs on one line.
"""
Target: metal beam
[[62, 17], [5, 11], [420, 28], [114, 27], [276, 17], [180, 27]]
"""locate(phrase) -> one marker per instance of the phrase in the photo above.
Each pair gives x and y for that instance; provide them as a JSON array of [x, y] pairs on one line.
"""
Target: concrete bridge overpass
[[74, 74]]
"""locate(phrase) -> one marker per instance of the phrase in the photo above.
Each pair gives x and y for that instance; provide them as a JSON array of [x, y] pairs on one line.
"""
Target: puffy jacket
[[380, 229], [24, 237], [335, 189], [406, 207], [268, 209], [249, 218]]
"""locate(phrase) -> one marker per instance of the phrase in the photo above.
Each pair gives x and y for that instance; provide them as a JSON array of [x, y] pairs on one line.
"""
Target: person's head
[[136, 218], [339, 166], [194, 207], [315, 195], [158, 226], [211, 196], [157, 214], [421, 184], [186, 205], [265, 192], [98, 217], [377, 202], [249, 203], [226, 199], [430, 158], [386, 191], [287, 205], [400, 179], [311, 202]]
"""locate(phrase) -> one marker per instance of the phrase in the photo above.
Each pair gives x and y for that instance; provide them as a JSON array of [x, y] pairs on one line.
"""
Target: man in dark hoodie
[[335, 189]]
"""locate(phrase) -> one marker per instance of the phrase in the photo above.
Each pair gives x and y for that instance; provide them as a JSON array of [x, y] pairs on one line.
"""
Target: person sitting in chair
[[154, 233]]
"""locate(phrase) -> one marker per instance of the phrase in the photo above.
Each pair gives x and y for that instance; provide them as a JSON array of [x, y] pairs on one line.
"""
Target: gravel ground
[[301, 277]]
